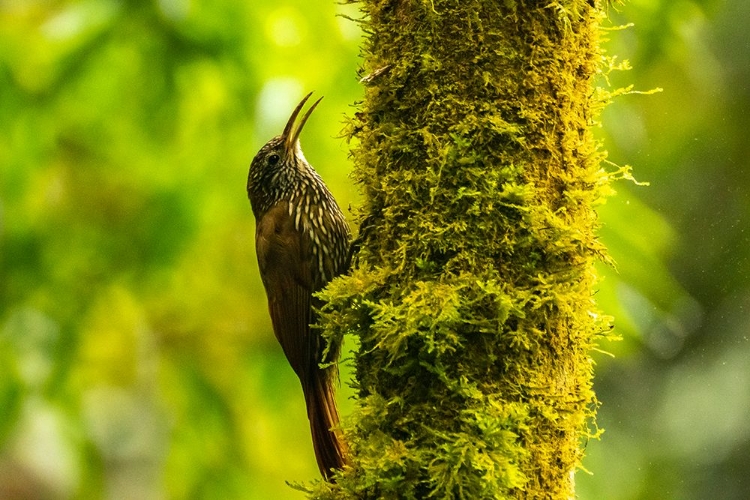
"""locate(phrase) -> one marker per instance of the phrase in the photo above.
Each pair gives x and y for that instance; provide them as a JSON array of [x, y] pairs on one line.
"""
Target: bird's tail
[[330, 450]]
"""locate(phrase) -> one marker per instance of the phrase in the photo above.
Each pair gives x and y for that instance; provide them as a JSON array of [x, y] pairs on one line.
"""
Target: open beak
[[291, 133]]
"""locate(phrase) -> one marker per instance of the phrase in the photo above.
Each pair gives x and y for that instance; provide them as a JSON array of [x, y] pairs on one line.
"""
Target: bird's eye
[[273, 159]]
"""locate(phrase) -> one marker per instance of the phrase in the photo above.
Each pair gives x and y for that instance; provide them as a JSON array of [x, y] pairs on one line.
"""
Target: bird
[[302, 243]]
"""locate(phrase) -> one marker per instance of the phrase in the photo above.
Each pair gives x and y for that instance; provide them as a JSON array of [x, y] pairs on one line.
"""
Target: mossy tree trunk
[[472, 293]]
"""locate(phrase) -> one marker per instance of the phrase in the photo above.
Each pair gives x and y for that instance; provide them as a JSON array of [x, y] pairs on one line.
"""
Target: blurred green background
[[136, 355]]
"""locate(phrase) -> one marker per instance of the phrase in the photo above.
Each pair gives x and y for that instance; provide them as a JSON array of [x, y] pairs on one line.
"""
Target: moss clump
[[472, 297]]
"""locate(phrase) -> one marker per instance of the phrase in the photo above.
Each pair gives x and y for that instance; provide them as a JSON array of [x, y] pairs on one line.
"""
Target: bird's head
[[276, 164]]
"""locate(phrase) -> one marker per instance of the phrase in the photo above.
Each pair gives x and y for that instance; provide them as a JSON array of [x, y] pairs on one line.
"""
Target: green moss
[[472, 297]]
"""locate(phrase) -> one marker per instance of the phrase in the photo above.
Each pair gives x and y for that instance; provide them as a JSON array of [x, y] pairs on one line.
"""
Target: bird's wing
[[284, 258], [285, 268]]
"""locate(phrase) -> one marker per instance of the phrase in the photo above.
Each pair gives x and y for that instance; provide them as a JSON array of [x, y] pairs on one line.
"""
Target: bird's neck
[[287, 184]]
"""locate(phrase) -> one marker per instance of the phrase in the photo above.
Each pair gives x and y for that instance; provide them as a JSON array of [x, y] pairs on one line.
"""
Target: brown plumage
[[302, 241]]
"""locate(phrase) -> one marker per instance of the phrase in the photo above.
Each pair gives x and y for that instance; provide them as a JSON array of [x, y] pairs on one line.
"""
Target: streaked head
[[277, 161]]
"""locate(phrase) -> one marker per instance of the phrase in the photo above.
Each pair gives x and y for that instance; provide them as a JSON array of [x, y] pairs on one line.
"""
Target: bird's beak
[[291, 133]]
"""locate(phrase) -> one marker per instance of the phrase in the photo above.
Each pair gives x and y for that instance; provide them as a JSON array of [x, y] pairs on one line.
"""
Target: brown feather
[[285, 266]]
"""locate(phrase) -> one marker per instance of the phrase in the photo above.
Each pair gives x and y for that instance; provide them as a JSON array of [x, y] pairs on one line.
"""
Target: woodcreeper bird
[[302, 242]]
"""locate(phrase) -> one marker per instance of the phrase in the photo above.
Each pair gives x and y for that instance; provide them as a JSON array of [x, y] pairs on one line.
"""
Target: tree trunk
[[471, 295]]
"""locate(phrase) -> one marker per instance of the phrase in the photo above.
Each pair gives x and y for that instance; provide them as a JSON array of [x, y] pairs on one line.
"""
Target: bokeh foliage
[[136, 357], [135, 339], [675, 395]]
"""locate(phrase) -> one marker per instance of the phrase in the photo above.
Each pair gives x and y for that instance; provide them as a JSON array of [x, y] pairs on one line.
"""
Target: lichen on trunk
[[472, 294]]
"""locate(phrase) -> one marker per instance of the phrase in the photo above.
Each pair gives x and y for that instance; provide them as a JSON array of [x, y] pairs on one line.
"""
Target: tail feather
[[330, 451]]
